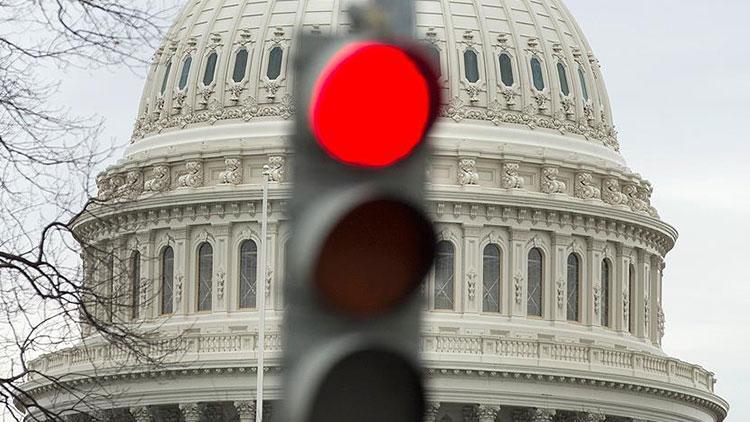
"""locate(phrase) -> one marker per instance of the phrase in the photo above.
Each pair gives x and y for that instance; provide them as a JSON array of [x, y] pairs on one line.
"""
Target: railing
[[475, 351]]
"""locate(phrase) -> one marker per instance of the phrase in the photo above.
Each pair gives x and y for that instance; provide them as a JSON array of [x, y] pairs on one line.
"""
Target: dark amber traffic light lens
[[372, 104], [374, 257]]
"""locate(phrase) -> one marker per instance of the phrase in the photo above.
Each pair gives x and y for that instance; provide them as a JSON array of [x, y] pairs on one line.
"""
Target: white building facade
[[545, 302]]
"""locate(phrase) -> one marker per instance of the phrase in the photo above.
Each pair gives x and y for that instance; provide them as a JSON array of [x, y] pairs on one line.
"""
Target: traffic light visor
[[374, 257], [372, 104]]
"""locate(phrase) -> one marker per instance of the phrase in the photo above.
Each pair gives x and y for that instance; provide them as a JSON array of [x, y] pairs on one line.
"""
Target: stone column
[[190, 412], [620, 290], [643, 282], [541, 415], [472, 289], [246, 410], [487, 413], [592, 284], [221, 283], [182, 271], [431, 411], [272, 277], [515, 287], [558, 272], [590, 417], [140, 414]]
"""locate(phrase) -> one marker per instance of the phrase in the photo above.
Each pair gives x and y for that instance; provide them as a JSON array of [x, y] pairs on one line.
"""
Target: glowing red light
[[371, 105]]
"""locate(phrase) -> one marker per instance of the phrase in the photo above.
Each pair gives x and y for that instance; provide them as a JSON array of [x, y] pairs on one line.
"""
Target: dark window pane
[[435, 60], [584, 87], [274, 63], [605, 293], [185, 72], [210, 73], [471, 66], [631, 290], [205, 276], [240, 65], [537, 74], [506, 70], [563, 74], [534, 288], [167, 281], [248, 274], [444, 275], [135, 284], [574, 283], [491, 279], [166, 78]]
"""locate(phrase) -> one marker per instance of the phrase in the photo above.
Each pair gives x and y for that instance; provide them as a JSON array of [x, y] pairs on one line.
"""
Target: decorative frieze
[[550, 182], [140, 414], [431, 411], [232, 175], [467, 172], [487, 413], [245, 410], [611, 193], [511, 177], [191, 412], [275, 170], [585, 188], [193, 178], [159, 180]]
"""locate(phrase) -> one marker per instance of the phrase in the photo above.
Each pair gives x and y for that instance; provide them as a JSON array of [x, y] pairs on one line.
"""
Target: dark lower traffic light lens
[[370, 386], [374, 258]]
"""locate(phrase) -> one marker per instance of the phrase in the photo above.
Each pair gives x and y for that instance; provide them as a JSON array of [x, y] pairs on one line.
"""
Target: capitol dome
[[545, 301]]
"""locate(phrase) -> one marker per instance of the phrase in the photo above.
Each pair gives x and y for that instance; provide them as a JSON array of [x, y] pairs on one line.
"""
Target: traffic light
[[361, 243]]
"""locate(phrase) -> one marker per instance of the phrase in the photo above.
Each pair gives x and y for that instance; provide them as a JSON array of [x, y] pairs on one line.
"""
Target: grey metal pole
[[260, 290]]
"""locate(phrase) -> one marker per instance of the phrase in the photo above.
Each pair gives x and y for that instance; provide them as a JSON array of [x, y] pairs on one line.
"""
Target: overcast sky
[[677, 73]]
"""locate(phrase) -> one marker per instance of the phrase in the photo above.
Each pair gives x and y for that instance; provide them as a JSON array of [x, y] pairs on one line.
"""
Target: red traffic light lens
[[372, 104], [374, 258]]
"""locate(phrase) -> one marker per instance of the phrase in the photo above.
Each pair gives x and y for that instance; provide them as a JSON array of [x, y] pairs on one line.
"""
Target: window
[[506, 70], [166, 78], [574, 284], [135, 284], [631, 289], [536, 74], [205, 276], [248, 274], [584, 87], [210, 73], [240, 65], [534, 289], [471, 66], [434, 54], [491, 279], [563, 74], [167, 281], [185, 72], [444, 275], [606, 280], [275, 57]]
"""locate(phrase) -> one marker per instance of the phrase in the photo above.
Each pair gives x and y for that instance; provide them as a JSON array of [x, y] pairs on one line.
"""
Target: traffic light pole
[[260, 290]]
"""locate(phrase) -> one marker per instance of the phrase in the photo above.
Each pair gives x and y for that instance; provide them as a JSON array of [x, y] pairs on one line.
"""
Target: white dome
[[504, 64]]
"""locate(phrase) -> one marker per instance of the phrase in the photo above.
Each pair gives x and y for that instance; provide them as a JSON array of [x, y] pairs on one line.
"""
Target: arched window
[[574, 284], [537, 74], [166, 78], [444, 275], [248, 274], [205, 276], [135, 284], [275, 57], [534, 289], [606, 280], [210, 73], [506, 70], [167, 281], [240, 65], [631, 290], [491, 278], [562, 73], [471, 66], [434, 54], [185, 72], [584, 87]]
